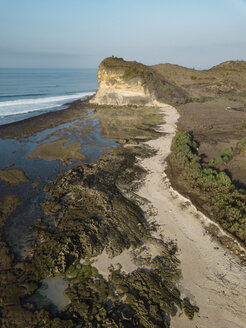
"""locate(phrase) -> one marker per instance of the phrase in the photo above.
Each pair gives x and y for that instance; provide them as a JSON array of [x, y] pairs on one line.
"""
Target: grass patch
[[129, 73]]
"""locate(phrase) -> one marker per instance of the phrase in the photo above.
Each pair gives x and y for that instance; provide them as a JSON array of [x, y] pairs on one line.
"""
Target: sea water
[[30, 92]]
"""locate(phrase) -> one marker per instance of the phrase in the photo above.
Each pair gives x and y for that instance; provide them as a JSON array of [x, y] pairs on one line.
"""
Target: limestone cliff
[[130, 83]]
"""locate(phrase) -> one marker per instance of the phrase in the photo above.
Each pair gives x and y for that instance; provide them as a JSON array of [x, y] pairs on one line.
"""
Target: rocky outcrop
[[130, 83], [120, 86]]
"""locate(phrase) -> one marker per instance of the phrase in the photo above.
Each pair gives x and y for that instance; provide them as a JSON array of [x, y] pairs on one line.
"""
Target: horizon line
[[48, 67]]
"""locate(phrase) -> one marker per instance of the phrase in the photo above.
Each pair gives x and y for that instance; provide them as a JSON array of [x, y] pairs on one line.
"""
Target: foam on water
[[22, 106], [29, 92]]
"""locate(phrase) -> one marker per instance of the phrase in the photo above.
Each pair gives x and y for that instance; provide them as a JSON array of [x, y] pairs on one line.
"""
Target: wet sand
[[212, 277]]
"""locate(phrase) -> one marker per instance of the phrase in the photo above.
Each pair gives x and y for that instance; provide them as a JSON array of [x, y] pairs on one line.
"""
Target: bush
[[228, 151], [241, 146], [222, 160], [212, 189]]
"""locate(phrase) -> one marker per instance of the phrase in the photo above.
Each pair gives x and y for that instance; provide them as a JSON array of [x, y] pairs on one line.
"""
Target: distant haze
[[80, 33]]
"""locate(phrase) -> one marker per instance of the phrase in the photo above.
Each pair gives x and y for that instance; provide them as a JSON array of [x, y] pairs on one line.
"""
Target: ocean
[[29, 92]]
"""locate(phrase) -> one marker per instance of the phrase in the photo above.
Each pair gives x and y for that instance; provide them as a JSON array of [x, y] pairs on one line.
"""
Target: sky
[[80, 33]]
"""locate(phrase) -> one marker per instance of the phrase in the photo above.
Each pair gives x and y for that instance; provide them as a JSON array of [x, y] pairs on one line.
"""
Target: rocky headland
[[131, 83]]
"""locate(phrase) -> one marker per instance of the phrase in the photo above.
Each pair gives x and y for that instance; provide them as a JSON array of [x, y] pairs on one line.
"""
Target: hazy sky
[[80, 33]]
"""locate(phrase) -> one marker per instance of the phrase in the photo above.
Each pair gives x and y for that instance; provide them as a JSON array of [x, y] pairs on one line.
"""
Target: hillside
[[228, 78], [123, 82]]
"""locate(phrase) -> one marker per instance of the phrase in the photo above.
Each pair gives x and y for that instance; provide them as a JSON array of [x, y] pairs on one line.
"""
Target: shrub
[[212, 189], [241, 146], [228, 151], [222, 160]]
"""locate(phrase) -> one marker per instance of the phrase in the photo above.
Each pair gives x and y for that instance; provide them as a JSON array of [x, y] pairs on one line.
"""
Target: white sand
[[124, 261], [212, 278]]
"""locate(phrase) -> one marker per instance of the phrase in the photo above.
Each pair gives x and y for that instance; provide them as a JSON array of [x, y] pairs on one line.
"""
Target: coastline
[[105, 219], [32, 125], [212, 278]]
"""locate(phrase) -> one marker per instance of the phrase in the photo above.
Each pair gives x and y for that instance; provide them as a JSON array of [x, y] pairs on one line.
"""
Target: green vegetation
[[241, 146], [222, 160], [228, 152], [193, 77], [212, 190], [143, 298], [129, 74]]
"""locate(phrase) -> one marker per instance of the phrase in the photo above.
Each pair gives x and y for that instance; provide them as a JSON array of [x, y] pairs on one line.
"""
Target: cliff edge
[[123, 82]]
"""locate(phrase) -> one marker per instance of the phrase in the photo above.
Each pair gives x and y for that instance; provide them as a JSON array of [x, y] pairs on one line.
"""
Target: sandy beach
[[211, 276]]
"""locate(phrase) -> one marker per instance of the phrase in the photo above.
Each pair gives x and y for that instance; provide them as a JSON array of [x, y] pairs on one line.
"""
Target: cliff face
[[130, 83], [121, 86]]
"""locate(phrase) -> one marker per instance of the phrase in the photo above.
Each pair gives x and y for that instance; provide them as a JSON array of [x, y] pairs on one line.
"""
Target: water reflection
[[17, 231], [50, 296]]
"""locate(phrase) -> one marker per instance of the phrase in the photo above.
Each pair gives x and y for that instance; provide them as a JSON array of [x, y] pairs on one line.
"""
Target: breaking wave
[[22, 106]]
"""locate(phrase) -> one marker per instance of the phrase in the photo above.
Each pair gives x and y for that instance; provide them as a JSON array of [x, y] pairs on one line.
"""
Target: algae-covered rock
[[8, 205], [89, 212], [14, 176], [58, 150], [91, 215], [189, 309]]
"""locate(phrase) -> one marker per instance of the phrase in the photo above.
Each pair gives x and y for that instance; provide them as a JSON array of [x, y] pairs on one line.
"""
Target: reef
[[13, 177], [90, 211]]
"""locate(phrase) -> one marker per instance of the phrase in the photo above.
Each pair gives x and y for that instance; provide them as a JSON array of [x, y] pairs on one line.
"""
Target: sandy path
[[212, 278]]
